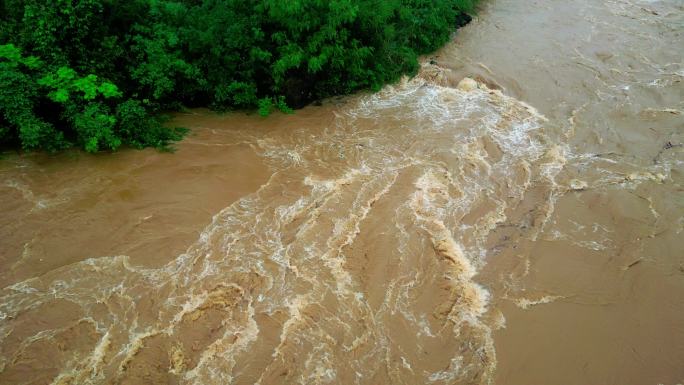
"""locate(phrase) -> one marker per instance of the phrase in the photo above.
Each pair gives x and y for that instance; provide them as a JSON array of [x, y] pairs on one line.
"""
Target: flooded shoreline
[[524, 228]]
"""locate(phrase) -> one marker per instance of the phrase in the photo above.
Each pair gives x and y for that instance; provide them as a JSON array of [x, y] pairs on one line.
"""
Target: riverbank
[[96, 75]]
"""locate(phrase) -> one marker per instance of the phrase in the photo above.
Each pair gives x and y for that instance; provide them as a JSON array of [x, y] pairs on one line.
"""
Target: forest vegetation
[[97, 74]]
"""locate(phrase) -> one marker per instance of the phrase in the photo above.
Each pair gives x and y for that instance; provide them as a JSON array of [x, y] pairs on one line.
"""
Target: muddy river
[[524, 228]]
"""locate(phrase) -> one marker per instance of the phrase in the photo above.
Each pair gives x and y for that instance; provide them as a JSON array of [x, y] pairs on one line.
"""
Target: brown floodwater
[[526, 228]]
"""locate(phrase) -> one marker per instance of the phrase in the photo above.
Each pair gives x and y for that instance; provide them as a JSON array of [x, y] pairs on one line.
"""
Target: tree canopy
[[96, 73]]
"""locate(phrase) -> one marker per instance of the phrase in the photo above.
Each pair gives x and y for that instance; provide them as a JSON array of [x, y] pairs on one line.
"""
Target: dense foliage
[[95, 73]]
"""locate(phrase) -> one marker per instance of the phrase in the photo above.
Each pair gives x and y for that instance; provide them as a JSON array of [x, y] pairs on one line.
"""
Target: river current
[[514, 214]]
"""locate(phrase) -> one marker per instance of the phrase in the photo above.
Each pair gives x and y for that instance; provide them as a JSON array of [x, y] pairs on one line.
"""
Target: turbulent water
[[525, 228]]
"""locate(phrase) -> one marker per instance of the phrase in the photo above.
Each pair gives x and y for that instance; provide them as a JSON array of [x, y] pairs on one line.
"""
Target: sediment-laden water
[[525, 228]]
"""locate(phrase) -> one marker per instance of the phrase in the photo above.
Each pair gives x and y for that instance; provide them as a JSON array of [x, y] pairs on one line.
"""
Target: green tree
[[97, 73]]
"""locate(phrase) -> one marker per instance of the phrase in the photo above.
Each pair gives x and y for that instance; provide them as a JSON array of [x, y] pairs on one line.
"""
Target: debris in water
[[634, 263]]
